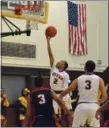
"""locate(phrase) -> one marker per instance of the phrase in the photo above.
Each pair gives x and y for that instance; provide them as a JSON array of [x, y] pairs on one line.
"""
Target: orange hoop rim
[[31, 7]]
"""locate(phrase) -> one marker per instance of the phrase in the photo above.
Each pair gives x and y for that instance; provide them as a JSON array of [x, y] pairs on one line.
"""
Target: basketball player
[[23, 106], [102, 109], [4, 104], [59, 79], [41, 100], [88, 85]]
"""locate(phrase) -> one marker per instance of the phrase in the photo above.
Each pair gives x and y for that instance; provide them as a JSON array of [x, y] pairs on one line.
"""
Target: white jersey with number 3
[[88, 86]]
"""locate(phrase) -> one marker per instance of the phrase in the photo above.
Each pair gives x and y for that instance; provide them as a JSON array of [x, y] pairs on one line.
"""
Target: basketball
[[18, 10], [51, 31]]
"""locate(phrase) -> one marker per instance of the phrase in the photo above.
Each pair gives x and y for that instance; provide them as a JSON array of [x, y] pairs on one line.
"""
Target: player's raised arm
[[51, 56], [60, 102], [72, 87], [103, 91]]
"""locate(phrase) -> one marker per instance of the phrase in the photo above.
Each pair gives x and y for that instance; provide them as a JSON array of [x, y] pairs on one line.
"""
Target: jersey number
[[55, 81], [88, 84], [41, 99]]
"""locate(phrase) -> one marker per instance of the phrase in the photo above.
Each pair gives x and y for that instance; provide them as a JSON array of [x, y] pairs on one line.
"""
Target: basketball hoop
[[33, 25], [30, 10], [33, 10]]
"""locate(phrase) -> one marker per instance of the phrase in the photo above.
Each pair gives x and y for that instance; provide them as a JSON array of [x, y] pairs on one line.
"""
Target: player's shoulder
[[66, 73], [40, 90], [21, 98], [85, 75], [96, 76], [81, 76]]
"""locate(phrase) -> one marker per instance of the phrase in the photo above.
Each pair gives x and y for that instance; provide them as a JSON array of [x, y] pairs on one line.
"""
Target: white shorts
[[85, 114], [67, 102]]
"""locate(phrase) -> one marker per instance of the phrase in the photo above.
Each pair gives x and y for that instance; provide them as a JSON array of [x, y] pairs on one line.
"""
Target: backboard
[[31, 10]]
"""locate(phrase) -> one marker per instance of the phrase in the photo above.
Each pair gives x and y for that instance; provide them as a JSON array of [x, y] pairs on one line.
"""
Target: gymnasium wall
[[97, 34]]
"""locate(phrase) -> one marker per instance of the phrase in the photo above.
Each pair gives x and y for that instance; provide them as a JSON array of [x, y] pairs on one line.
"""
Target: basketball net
[[33, 25], [31, 10]]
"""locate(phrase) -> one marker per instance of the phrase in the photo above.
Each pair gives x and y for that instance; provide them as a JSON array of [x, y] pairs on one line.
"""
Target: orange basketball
[[51, 31], [18, 10]]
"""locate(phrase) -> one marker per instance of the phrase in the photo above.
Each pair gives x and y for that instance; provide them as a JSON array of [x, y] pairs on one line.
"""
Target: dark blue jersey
[[41, 100]]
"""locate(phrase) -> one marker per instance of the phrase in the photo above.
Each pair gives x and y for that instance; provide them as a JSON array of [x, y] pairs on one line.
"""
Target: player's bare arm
[[102, 109], [103, 91], [60, 102], [72, 87], [51, 56], [28, 106]]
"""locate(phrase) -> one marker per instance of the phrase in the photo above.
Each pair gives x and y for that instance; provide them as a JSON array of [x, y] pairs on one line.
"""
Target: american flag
[[77, 29]]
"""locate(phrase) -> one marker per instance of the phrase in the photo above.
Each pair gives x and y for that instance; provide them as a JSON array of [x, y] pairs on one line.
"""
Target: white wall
[[13, 86], [97, 33]]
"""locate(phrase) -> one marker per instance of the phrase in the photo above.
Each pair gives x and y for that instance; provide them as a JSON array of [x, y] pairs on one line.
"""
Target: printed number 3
[[88, 86], [42, 99]]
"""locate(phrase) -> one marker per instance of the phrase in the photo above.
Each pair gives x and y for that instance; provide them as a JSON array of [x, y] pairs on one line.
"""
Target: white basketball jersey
[[59, 80], [88, 86]]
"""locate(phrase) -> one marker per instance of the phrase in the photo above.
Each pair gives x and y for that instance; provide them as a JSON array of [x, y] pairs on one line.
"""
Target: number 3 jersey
[[59, 80], [88, 87], [41, 101]]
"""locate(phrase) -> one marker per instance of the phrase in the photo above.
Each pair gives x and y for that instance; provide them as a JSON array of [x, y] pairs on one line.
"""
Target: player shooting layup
[[59, 79]]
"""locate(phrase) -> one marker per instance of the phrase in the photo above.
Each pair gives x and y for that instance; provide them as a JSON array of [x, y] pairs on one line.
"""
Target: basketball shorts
[[67, 102], [41, 121], [85, 115]]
